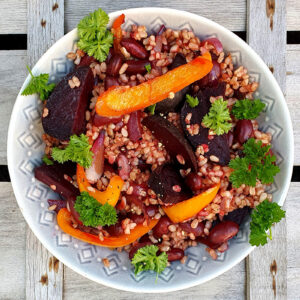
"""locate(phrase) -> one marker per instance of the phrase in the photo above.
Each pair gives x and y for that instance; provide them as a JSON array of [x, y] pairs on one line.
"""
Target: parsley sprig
[[247, 109], [47, 160], [78, 150], [262, 218], [151, 109], [218, 118], [38, 84], [257, 163], [148, 68], [146, 258], [192, 101], [94, 38], [92, 213]]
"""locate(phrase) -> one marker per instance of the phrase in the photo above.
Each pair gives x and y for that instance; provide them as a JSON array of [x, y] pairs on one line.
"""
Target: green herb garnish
[[258, 163], [39, 84], [262, 218], [146, 259], [218, 117], [192, 101], [47, 160], [148, 68], [78, 150], [94, 38], [247, 109], [92, 213], [151, 109]]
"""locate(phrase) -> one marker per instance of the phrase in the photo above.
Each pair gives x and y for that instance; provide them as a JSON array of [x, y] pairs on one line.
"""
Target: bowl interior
[[25, 149]]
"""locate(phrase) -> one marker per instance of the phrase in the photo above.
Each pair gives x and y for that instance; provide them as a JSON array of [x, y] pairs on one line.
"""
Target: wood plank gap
[[266, 34], [44, 273]]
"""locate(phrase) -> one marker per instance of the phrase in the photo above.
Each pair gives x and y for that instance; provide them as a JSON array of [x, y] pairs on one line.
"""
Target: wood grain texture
[[12, 246], [267, 266], [230, 285], [45, 27], [12, 75]]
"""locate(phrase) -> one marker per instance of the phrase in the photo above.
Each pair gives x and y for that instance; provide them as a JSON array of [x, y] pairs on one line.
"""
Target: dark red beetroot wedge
[[173, 140], [164, 181], [218, 145], [67, 106], [173, 104], [58, 202], [53, 176]]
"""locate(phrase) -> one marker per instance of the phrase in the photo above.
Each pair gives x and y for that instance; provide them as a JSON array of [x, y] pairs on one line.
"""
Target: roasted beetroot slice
[[218, 146], [54, 176], [173, 104], [59, 204], [162, 181], [173, 140], [67, 106]]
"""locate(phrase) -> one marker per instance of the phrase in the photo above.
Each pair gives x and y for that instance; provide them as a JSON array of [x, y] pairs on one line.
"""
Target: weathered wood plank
[[267, 266], [45, 26], [230, 285], [12, 246], [12, 75]]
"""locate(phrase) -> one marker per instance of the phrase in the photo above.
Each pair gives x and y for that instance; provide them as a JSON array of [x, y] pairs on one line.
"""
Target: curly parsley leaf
[[262, 218], [146, 259], [258, 163], [247, 109], [148, 68], [92, 213], [151, 109], [78, 150], [192, 101], [47, 160], [218, 118], [38, 84], [94, 38]]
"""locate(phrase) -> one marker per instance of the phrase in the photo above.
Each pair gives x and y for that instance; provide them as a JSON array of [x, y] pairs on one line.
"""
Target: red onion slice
[[158, 41], [124, 168], [94, 172], [214, 42]]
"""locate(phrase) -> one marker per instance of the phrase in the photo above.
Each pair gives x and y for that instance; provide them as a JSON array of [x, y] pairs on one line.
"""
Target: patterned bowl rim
[[55, 251]]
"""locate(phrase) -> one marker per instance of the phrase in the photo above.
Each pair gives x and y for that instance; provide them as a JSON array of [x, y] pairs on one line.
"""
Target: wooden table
[[27, 270]]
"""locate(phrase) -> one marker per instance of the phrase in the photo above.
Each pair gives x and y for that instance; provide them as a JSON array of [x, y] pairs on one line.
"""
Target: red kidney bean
[[198, 231], [100, 120], [175, 254], [137, 247], [223, 232], [138, 219], [229, 138], [193, 181], [136, 200], [144, 238], [136, 66], [110, 81], [243, 131], [134, 48], [116, 229], [139, 189], [114, 65], [151, 210], [124, 168], [162, 227], [134, 126]]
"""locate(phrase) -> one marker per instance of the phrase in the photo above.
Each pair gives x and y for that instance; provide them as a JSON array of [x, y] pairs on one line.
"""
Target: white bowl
[[25, 149]]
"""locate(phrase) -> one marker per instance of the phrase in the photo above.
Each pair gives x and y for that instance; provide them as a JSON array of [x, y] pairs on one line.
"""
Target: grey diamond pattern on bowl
[[88, 257]]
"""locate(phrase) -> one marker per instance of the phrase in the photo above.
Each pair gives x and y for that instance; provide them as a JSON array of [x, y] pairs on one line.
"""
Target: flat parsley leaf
[[262, 218], [258, 163], [95, 39], [146, 259], [218, 118], [38, 84], [94, 214], [47, 160], [247, 109], [192, 101], [151, 109], [78, 150], [148, 68]]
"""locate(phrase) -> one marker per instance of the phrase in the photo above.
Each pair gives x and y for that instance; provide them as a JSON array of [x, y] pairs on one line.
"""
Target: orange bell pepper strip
[[65, 223], [187, 209], [121, 100], [111, 195], [117, 31]]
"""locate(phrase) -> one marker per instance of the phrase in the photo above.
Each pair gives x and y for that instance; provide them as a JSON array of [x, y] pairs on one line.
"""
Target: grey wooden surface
[[252, 280]]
